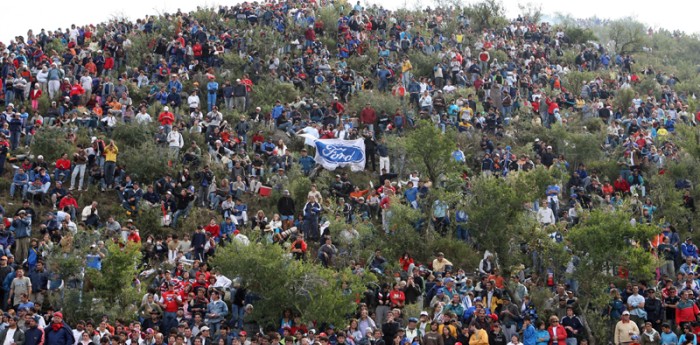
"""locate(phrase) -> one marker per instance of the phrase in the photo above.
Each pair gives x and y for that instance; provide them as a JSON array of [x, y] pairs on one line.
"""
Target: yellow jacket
[[111, 153], [480, 337], [453, 329], [406, 66]]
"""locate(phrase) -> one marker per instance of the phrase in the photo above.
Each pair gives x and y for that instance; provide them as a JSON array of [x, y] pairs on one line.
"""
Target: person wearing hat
[[625, 329], [689, 250], [58, 332], [240, 93], [440, 297], [212, 89], [166, 119]]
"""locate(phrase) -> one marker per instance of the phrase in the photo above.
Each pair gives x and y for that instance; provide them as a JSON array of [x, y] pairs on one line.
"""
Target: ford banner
[[333, 153]]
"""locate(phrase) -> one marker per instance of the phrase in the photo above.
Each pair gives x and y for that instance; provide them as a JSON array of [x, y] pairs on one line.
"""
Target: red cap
[[243, 333], [58, 314]]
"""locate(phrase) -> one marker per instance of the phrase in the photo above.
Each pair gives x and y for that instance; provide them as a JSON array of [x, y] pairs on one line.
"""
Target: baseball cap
[[243, 333], [58, 314], [625, 312], [424, 313], [205, 328]]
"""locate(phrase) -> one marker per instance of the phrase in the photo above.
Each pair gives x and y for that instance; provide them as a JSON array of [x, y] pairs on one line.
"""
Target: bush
[[422, 64], [51, 143], [133, 134], [268, 92], [379, 101], [623, 99], [146, 162]]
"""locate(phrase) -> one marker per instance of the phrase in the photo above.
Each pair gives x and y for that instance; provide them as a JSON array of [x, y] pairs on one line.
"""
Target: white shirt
[[10, 336], [193, 101], [175, 139], [223, 282], [545, 215], [143, 118], [426, 101], [86, 82], [110, 121]]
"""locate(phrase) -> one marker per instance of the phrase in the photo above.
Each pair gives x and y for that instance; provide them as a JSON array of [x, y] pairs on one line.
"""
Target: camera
[[289, 232]]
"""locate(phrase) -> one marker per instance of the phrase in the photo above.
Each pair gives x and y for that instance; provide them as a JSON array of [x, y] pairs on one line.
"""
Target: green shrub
[[51, 143], [379, 101], [422, 64], [268, 91], [133, 134], [146, 162]]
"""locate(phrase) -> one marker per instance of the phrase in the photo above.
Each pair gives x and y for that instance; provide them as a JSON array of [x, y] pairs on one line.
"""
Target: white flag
[[333, 153]]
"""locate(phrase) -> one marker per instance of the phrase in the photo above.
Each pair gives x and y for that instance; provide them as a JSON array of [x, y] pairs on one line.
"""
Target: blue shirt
[[668, 338], [93, 261], [411, 194], [529, 335], [277, 111], [439, 209]]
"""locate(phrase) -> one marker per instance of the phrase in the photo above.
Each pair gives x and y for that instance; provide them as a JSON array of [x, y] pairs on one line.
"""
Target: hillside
[[564, 154]]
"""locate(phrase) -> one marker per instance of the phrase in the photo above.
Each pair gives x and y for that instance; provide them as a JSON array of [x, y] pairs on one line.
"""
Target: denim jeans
[[58, 172], [14, 186], [109, 172], [177, 215], [237, 314], [78, 171], [211, 100]]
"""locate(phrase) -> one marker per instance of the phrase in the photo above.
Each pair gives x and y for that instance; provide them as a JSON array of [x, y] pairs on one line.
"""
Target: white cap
[[166, 108], [40, 157]]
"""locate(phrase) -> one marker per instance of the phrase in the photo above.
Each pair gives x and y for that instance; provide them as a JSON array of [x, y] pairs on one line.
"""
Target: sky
[[50, 14]]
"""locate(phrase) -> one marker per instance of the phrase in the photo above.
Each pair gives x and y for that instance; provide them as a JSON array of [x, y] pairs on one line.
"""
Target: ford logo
[[336, 153]]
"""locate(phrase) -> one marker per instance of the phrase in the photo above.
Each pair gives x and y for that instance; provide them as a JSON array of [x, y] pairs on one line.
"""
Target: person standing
[[175, 142], [212, 89], [80, 160], [383, 151], [58, 333], [240, 93], [19, 286], [625, 330], [312, 209], [111, 151], [12, 334], [22, 231]]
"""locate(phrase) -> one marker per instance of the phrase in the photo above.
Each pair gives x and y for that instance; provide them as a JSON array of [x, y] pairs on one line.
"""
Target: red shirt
[[213, 230], [397, 298], [405, 263], [135, 237], [67, 201], [170, 301], [248, 84], [166, 118], [622, 186], [63, 164], [76, 90]]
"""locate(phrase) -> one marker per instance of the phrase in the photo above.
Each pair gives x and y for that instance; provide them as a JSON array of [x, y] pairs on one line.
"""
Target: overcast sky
[[17, 18]]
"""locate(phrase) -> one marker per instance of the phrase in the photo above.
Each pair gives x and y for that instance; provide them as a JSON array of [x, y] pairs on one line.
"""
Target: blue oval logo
[[338, 153]]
